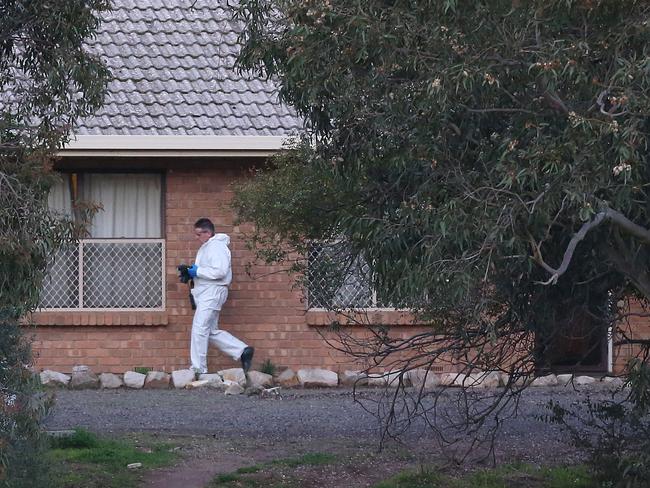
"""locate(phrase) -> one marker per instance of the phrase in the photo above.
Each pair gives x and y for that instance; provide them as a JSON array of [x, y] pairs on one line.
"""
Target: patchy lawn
[[513, 476], [313, 470], [89, 461], [86, 460]]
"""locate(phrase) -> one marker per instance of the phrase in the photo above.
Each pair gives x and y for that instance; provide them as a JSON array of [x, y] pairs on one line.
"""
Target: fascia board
[[178, 146]]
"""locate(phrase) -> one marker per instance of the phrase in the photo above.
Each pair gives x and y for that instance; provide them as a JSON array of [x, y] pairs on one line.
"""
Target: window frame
[[75, 180], [373, 292]]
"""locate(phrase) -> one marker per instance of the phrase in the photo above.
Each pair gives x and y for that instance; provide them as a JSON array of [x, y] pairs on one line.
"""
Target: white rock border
[[259, 382]]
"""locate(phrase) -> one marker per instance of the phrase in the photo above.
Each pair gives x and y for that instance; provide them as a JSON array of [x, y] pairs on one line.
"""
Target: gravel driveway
[[297, 415]]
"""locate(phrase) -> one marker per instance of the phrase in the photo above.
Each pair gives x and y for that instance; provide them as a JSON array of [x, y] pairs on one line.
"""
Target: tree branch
[[608, 214]]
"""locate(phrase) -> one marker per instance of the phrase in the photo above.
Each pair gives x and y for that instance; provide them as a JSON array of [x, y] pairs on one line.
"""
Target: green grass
[[260, 479], [226, 478], [268, 367], [309, 459], [86, 460], [512, 476], [414, 479]]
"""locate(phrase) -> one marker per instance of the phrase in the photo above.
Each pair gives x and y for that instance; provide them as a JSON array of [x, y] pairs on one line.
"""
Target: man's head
[[203, 230]]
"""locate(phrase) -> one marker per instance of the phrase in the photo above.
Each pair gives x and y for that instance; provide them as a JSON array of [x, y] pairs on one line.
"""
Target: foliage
[[47, 75], [47, 80], [488, 161], [21, 407], [615, 432]]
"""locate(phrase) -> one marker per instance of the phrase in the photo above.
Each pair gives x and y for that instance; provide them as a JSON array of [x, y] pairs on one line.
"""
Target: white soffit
[[176, 146]]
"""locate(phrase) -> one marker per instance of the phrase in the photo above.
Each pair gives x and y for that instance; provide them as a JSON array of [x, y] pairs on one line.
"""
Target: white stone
[[134, 380], [110, 380], [449, 379], [483, 379], [214, 380], [564, 379], [83, 377], [423, 379], [613, 381], [157, 380], [389, 378], [181, 377], [351, 378], [584, 380], [197, 384], [270, 392], [234, 389], [287, 378], [460, 380], [234, 374], [548, 380], [54, 378], [315, 377], [227, 383], [393, 379], [377, 379], [258, 378]]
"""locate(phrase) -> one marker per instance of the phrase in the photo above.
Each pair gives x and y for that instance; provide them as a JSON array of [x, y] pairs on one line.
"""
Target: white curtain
[[131, 204], [59, 200], [61, 285]]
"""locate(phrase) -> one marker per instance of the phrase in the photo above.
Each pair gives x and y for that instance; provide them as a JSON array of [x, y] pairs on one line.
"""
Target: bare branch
[[608, 214]]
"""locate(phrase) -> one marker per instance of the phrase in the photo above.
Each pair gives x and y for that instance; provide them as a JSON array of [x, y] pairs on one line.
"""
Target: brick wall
[[262, 308], [637, 327]]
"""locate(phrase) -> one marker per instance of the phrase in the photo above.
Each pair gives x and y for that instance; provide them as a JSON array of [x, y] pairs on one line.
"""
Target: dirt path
[[353, 464]]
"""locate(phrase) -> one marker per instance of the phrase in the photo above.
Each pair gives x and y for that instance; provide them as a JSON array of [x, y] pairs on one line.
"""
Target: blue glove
[[192, 270]]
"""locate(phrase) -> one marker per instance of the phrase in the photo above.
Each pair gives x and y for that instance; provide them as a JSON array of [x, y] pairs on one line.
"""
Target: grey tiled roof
[[172, 66]]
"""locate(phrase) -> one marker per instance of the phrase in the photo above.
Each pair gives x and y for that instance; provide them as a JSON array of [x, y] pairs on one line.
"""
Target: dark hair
[[205, 224]]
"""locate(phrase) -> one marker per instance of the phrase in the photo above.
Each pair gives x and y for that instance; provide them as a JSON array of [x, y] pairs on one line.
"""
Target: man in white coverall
[[212, 274]]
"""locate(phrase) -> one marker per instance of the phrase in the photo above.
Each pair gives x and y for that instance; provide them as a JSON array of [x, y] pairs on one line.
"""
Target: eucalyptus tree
[[487, 160], [47, 80]]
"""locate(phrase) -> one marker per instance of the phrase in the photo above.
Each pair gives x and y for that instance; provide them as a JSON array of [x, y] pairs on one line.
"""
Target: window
[[336, 279], [121, 263]]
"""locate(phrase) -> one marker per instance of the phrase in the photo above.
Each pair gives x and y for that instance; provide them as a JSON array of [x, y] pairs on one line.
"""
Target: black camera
[[184, 276], [183, 273]]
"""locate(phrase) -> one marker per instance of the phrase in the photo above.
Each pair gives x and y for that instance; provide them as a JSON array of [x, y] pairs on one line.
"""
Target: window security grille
[[337, 280], [107, 274]]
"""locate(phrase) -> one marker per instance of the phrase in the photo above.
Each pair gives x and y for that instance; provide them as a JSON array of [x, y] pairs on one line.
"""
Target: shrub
[[615, 433], [268, 367], [22, 406]]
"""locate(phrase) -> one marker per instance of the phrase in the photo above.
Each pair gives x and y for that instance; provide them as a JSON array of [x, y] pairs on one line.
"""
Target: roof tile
[[172, 63]]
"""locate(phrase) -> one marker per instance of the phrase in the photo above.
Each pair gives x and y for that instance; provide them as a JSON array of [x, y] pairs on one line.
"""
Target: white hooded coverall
[[210, 291]]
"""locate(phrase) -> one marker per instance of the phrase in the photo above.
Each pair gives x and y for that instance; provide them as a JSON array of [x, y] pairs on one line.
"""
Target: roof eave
[[176, 146]]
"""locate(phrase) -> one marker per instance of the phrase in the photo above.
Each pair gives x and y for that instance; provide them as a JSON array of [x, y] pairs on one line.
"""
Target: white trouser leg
[[225, 341], [205, 327], [201, 328]]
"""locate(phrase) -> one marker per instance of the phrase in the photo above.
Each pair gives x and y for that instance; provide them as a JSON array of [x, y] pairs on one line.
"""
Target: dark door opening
[[577, 343]]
